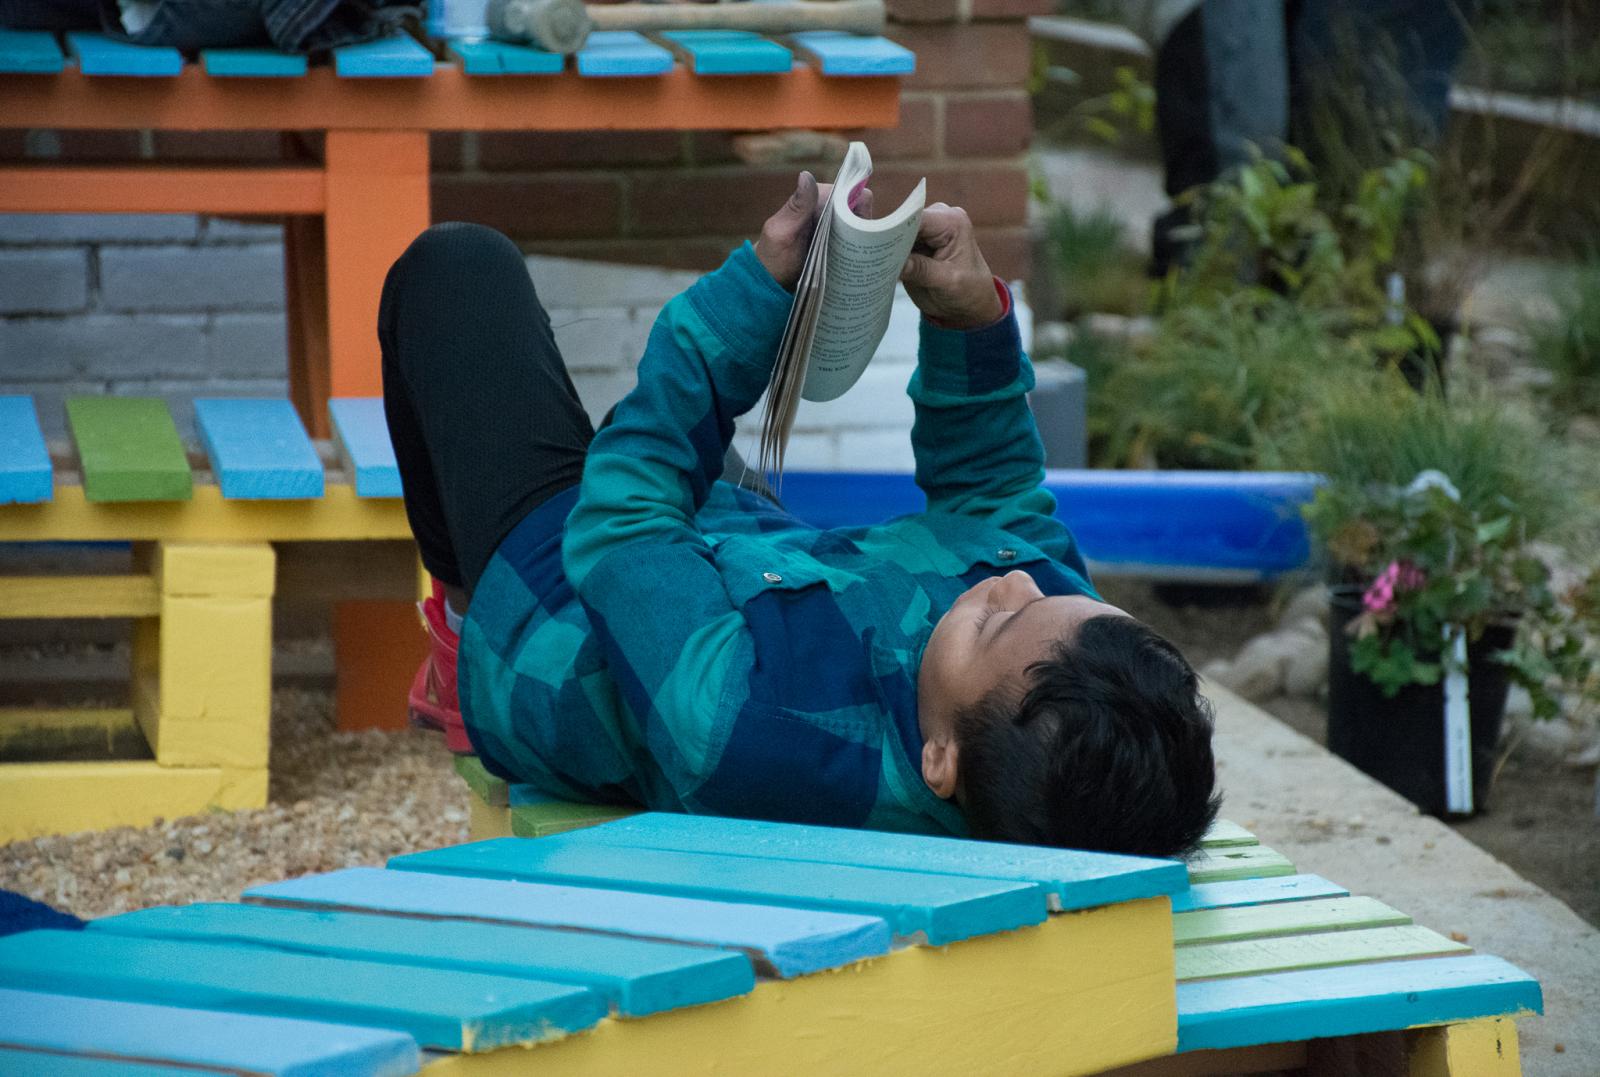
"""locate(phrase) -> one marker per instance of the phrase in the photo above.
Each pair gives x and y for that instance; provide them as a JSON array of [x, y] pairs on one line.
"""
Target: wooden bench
[[670, 944]]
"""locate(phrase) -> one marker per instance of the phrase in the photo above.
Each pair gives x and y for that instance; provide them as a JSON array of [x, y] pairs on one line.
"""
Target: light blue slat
[[1287, 1006], [29, 52], [791, 942], [837, 53], [636, 977], [284, 1047], [1255, 892], [731, 52], [258, 448], [99, 55], [439, 1008], [15, 1063], [252, 63], [364, 438], [503, 58], [610, 53], [946, 908], [24, 457], [1077, 880], [391, 57]]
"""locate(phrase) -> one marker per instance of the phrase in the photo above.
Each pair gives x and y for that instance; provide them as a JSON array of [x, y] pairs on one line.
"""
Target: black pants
[[485, 422]]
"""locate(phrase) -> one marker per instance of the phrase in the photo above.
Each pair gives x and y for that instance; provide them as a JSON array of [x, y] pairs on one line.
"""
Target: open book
[[841, 303]]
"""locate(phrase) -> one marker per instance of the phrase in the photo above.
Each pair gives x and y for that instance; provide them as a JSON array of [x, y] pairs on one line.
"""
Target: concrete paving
[[1332, 820]]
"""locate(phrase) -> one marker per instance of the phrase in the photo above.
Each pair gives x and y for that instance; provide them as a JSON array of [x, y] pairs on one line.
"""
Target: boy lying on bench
[[642, 632]]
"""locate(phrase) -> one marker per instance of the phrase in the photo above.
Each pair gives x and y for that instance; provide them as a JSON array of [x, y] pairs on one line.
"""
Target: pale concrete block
[[599, 338], [43, 281], [877, 401], [231, 230], [71, 228], [192, 278], [102, 345], [179, 395], [808, 452], [248, 345], [573, 282], [876, 450], [600, 390]]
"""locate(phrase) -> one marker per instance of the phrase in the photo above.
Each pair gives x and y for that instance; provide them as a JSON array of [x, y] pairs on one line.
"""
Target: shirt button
[[772, 577], [1006, 555]]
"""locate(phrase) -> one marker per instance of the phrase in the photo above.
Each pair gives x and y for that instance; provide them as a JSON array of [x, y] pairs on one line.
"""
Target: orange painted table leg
[[378, 646]]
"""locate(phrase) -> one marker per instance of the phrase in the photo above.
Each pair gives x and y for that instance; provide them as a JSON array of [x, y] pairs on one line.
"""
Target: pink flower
[[1396, 577]]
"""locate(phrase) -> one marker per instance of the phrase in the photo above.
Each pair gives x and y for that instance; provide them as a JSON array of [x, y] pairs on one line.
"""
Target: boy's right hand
[[946, 275]]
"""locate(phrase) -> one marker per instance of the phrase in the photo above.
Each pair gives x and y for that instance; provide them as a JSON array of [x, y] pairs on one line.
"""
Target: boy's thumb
[[804, 199], [918, 271]]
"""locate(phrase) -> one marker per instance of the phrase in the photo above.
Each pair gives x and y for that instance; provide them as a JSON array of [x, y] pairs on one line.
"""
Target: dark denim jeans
[[191, 25]]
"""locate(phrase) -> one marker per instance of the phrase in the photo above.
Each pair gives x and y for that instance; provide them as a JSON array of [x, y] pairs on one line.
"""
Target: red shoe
[[433, 702]]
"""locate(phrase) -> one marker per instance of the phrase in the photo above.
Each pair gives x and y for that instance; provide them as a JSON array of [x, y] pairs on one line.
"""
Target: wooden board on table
[[1224, 834], [62, 798], [834, 52], [1237, 892], [456, 1011], [729, 52], [98, 54], [787, 942], [504, 58], [534, 815], [1237, 862], [1284, 918], [252, 63], [635, 977], [1073, 880], [364, 446], [258, 449], [29, 52], [1248, 957], [943, 908], [231, 1042], [22, 1062], [129, 449], [621, 53], [391, 57], [25, 476]]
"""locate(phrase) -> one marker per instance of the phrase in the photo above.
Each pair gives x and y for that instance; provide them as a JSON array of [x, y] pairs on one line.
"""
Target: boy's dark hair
[[1109, 749]]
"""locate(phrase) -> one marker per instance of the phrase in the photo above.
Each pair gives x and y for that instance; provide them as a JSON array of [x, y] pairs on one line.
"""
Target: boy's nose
[[1018, 586]]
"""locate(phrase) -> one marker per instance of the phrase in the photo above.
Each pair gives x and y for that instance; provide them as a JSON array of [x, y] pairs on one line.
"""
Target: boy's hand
[[946, 275], [786, 237]]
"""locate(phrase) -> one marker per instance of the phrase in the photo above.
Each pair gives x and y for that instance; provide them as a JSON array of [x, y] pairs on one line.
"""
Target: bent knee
[[458, 247]]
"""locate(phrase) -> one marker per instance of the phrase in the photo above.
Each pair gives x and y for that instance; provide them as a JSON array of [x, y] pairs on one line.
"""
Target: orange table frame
[[348, 217]]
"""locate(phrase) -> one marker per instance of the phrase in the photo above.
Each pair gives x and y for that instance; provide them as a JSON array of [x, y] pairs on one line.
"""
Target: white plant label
[[1457, 725]]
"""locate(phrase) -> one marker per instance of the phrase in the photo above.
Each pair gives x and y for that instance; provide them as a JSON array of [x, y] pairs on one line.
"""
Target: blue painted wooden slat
[[731, 52], [19, 1063], [24, 456], [390, 57], [1233, 894], [837, 53], [99, 55], [364, 444], [790, 942], [252, 63], [1287, 1006], [450, 1010], [946, 908], [1075, 880], [29, 52], [258, 448], [281, 1046], [635, 977], [503, 58], [610, 53]]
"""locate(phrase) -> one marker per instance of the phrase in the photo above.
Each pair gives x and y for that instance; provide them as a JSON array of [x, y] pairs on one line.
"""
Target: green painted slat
[[1286, 918], [1224, 834], [485, 786], [541, 817], [1249, 957], [129, 449], [1246, 862]]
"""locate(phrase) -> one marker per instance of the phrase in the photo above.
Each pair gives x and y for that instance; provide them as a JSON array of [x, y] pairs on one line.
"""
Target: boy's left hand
[[786, 237]]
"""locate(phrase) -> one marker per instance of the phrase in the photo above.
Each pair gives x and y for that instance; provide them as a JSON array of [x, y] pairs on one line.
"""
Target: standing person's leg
[[485, 422]]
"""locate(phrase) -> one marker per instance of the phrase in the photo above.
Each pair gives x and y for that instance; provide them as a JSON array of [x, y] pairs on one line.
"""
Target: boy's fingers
[[920, 271]]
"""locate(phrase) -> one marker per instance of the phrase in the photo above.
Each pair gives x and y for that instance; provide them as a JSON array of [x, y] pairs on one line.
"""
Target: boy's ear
[[939, 758]]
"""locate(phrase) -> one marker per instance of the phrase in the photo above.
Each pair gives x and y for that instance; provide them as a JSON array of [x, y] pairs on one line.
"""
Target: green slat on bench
[[29, 52], [791, 942], [281, 1046], [21, 1063], [730, 52], [363, 437], [835, 52], [99, 55], [503, 58], [946, 908], [1255, 892], [391, 57], [621, 53], [258, 449], [1076, 880], [1293, 1006], [535, 815], [1224, 834], [129, 449], [24, 457], [252, 63], [1244, 862], [635, 977], [1286, 918], [451, 1010], [1253, 956]]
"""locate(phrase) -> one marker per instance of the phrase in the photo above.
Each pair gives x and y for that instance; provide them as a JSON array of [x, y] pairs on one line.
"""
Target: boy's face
[[988, 638]]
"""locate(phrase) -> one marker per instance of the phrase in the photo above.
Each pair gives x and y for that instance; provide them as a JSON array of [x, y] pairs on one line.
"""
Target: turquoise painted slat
[[364, 445], [29, 52], [1075, 880], [24, 456], [835, 52], [281, 1046], [1255, 892], [731, 52], [503, 58], [450, 1010], [636, 977], [790, 942], [610, 53], [391, 57], [99, 55], [252, 63], [258, 448], [21, 1063], [1288, 1006], [946, 908]]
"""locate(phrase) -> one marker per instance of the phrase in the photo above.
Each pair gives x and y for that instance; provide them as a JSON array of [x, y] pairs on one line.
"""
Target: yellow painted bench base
[[60, 798], [1482, 1048]]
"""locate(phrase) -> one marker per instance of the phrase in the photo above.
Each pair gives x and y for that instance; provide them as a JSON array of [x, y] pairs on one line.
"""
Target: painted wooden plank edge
[[1238, 892], [29, 52], [1250, 957], [1283, 918]]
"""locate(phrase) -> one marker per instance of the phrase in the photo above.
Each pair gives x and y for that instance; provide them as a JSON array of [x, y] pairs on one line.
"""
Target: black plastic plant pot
[[1399, 740]]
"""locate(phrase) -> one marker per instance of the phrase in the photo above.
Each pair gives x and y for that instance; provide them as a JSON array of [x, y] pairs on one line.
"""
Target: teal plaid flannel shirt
[[659, 637]]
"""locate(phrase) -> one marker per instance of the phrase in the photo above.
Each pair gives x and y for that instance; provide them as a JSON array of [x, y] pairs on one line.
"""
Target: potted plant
[[1433, 518]]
